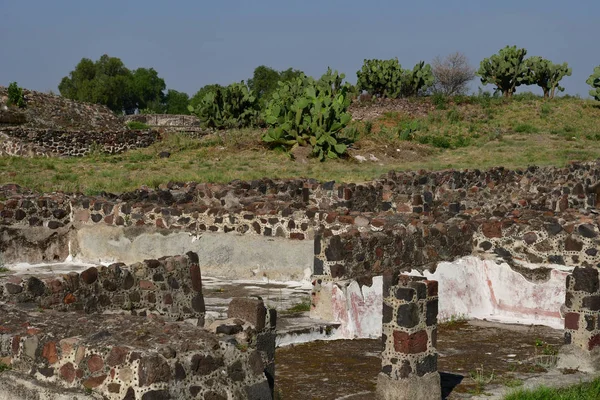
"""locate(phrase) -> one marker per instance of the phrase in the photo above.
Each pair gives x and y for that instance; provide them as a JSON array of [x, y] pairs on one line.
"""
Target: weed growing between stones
[[3, 268], [481, 379], [303, 306], [4, 367]]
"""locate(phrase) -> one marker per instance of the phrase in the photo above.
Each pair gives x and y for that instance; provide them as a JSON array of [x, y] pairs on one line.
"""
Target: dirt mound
[[47, 111], [367, 110]]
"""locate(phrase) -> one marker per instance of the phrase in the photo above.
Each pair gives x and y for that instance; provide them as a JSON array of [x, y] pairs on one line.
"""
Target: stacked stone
[[582, 319], [409, 357], [171, 286], [262, 338]]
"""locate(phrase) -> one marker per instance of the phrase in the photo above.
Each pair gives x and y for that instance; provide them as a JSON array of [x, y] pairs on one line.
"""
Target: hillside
[[47, 111], [423, 133]]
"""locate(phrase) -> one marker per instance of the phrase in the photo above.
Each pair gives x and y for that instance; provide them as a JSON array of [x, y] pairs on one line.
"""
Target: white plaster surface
[[469, 287], [227, 255]]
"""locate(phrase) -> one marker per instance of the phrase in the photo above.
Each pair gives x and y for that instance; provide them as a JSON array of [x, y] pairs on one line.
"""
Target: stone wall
[[118, 335], [171, 286], [188, 125], [73, 143]]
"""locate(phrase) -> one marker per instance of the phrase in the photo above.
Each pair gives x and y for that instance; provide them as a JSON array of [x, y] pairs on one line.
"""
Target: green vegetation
[[4, 367], [386, 78], [137, 125], [506, 70], [594, 82], [107, 81], [546, 75], [583, 391], [303, 306], [304, 112], [264, 81], [234, 106], [482, 135], [15, 95], [481, 379]]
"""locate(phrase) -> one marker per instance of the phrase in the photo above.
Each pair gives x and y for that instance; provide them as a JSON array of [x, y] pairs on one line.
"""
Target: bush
[[386, 78], [303, 112], [452, 74], [234, 106], [15, 95], [506, 70], [137, 125]]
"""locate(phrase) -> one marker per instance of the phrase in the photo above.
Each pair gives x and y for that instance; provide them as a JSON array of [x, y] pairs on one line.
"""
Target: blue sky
[[194, 43]]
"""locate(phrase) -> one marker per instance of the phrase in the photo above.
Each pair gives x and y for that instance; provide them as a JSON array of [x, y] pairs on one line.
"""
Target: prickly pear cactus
[[594, 82], [506, 70]]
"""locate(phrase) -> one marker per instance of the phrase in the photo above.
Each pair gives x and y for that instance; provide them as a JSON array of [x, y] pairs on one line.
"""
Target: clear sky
[[194, 43]]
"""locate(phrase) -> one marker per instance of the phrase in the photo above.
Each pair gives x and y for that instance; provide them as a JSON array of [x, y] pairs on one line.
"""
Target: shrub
[[380, 78], [526, 128], [15, 95], [440, 101], [234, 106], [304, 112], [452, 74], [137, 125]]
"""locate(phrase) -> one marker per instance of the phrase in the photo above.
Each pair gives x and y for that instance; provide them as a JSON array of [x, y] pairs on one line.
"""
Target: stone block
[[408, 315], [586, 279], [427, 387], [407, 343], [250, 310]]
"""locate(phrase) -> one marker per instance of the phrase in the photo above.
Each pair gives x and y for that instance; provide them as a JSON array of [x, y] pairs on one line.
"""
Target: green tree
[[147, 87], [264, 81], [546, 74], [107, 81], [290, 75], [176, 102], [594, 82], [202, 92], [506, 70]]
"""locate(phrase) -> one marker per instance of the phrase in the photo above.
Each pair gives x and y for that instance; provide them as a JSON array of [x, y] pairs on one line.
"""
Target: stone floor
[[347, 369]]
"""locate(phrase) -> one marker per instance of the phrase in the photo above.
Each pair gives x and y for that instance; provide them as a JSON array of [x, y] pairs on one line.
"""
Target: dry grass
[[513, 134]]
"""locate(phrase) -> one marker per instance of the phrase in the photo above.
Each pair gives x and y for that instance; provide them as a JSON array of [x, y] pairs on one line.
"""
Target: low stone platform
[[128, 357]]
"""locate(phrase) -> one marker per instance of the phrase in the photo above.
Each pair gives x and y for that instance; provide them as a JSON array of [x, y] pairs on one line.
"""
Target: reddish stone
[[160, 223], [79, 373], [109, 219], [117, 356], [55, 285], [378, 223], [69, 298], [49, 352], [147, 285], [492, 229], [379, 252], [297, 236], [67, 372], [346, 219], [168, 299], [94, 381], [331, 217], [33, 331], [410, 343], [95, 363], [572, 321], [90, 275], [432, 288], [571, 244], [196, 277], [594, 342], [530, 237], [16, 341], [563, 203]]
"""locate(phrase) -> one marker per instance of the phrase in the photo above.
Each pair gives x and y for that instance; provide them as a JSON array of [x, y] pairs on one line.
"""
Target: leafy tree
[[546, 75], [147, 87], [290, 74], [202, 92], [506, 70], [176, 102], [452, 74], [107, 81], [264, 81], [594, 82]]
